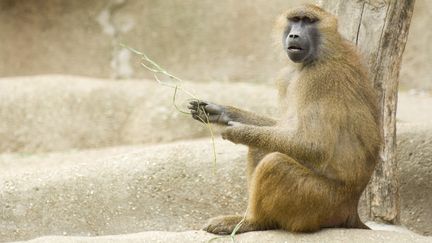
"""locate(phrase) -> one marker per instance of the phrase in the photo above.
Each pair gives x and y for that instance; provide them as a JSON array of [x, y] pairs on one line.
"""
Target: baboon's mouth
[[294, 48]]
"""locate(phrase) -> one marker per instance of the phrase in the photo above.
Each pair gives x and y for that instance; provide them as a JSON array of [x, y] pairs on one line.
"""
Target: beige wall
[[195, 39]]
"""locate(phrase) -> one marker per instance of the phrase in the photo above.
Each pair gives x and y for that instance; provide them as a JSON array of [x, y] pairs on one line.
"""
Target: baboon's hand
[[235, 132], [208, 112]]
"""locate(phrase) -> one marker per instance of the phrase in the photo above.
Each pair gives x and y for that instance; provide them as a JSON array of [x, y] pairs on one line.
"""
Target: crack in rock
[[120, 58]]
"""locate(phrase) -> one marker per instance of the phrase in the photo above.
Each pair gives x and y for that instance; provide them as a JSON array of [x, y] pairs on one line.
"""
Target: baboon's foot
[[225, 225]]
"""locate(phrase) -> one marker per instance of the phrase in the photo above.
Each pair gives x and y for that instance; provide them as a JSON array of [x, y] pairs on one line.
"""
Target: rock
[[132, 189], [165, 187], [414, 154], [324, 236], [51, 113]]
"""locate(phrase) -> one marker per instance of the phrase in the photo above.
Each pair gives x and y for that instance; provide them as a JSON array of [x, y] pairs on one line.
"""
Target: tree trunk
[[380, 29]]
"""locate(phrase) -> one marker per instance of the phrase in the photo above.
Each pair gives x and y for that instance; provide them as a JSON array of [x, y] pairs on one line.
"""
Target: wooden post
[[380, 29]]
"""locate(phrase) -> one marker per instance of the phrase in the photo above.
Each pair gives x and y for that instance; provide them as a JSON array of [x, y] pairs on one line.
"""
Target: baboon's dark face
[[301, 39]]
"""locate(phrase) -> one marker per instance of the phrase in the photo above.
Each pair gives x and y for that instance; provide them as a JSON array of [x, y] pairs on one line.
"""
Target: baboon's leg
[[285, 194], [295, 198], [255, 155]]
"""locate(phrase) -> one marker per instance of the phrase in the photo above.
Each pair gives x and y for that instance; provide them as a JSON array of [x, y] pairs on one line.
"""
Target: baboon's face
[[301, 39]]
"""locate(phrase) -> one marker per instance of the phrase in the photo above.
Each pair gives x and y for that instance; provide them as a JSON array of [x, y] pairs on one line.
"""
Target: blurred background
[[202, 40]]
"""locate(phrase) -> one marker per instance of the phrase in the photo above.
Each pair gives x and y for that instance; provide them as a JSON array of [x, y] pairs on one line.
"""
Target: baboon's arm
[[223, 114], [289, 142], [248, 118]]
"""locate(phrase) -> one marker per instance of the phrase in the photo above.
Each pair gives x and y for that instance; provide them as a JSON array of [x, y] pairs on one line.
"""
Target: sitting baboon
[[308, 169]]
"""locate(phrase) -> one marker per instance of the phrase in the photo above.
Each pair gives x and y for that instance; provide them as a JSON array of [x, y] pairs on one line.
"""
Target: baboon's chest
[[291, 103]]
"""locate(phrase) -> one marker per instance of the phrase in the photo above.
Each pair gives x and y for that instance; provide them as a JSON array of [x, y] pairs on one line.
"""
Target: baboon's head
[[306, 30]]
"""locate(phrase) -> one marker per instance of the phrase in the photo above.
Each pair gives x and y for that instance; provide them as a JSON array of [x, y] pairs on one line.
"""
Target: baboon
[[308, 169]]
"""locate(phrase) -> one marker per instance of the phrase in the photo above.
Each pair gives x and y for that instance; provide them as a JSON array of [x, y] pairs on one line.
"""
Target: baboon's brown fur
[[308, 170]]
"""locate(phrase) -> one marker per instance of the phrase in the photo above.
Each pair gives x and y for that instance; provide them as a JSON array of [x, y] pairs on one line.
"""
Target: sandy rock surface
[[48, 113], [415, 163], [325, 236], [163, 187], [148, 188]]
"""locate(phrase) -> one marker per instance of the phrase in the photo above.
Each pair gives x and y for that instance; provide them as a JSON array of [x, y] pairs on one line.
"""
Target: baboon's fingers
[[193, 104], [197, 117], [204, 118], [198, 103], [215, 230], [198, 112]]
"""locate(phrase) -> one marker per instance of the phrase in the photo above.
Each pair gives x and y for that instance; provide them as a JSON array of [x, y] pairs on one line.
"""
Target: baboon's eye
[[295, 19], [309, 20]]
